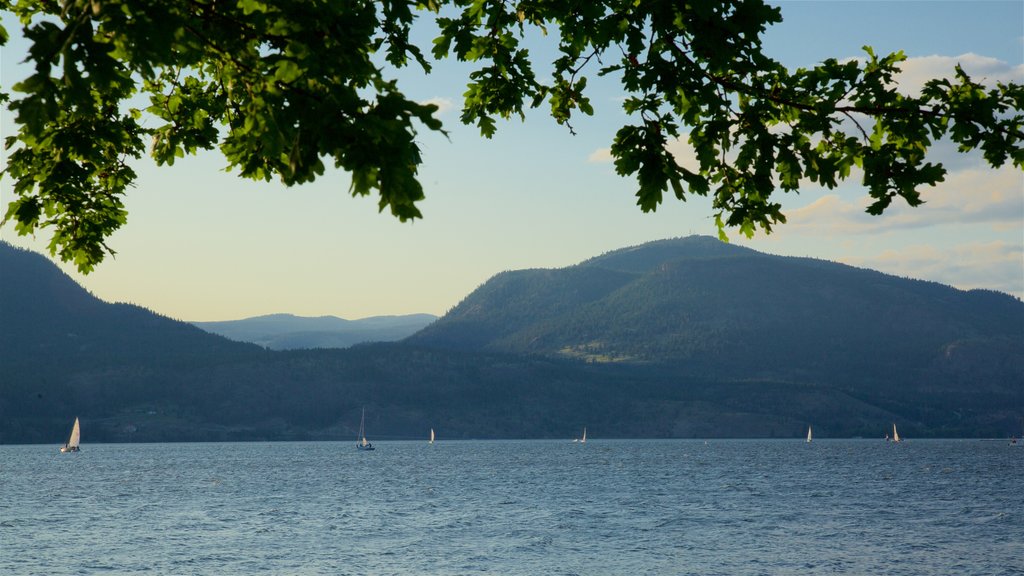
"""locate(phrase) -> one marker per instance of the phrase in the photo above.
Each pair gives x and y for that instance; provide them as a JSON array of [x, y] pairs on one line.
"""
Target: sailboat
[[72, 445], [361, 442], [809, 435], [431, 435], [895, 434], [582, 440]]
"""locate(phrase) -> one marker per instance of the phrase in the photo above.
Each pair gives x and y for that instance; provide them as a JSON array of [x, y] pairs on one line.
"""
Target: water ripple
[[514, 508]]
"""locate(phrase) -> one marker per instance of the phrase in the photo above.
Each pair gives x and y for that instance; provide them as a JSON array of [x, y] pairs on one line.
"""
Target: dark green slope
[[725, 314], [512, 302], [45, 314], [64, 352], [697, 353], [652, 255], [698, 300]]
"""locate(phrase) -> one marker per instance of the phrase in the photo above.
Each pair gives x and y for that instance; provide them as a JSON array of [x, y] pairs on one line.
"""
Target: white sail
[[76, 435], [431, 435], [362, 443], [584, 438], [72, 445], [809, 434], [895, 434]]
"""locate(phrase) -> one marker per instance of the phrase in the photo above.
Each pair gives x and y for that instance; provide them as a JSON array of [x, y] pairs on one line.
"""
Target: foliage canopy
[[282, 86]]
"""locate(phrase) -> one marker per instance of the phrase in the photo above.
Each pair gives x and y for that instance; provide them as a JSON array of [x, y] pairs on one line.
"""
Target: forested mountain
[[683, 338], [725, 313], [289, 332], [699, 300], [725, 310], [61, 349]]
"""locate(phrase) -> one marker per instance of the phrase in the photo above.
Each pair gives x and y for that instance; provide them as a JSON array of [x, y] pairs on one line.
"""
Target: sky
[[202, 244]]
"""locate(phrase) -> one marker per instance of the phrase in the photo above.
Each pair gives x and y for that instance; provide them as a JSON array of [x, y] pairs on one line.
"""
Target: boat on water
[[895, 434], [72, 444], [431, 435], [582, 439], [361, 442], [809, 435]]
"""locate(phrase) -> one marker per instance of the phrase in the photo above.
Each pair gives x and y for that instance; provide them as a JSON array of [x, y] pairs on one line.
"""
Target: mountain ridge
[[714, 344], [699, 295], [284, 331]]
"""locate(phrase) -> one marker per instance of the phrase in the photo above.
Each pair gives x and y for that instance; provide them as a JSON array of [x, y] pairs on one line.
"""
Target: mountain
[[682, 338], [288, 332], [722, 307], [47, 319], [63, 351], [718, 311]]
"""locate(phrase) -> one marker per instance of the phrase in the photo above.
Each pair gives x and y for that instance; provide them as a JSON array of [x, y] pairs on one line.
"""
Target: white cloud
[[685, 154], [978, 194], [973, 196], [601, 156], [443, 104], [987, 71], [994, 265], [972, 193], [830, 215]]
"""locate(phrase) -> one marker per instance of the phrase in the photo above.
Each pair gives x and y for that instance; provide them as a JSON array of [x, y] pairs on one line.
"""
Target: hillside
[[699, 301], [49, 320], [289, 332], [675, 348], [63, 351], [712, 310]]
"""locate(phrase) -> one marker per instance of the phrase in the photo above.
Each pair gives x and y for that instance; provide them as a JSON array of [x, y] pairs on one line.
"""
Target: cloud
[[686, 155], [994, 265], [985, 70], [978, 195], [443, 104], [831, 215], [972, 193], [601, 156]]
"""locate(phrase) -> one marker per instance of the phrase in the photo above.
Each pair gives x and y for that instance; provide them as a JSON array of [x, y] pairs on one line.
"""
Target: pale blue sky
[[202, 244]]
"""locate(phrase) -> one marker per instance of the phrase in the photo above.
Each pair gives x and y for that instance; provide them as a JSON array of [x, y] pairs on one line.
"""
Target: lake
[[607, 507]]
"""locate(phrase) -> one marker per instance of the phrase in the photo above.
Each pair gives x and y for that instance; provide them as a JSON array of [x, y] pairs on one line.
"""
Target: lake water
[[515, 508]]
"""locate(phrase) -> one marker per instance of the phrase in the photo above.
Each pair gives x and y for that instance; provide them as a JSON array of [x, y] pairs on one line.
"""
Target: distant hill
[[64, 352], [682, 338], [47, 318], [699, 301], [714, 310], [288, 332]]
